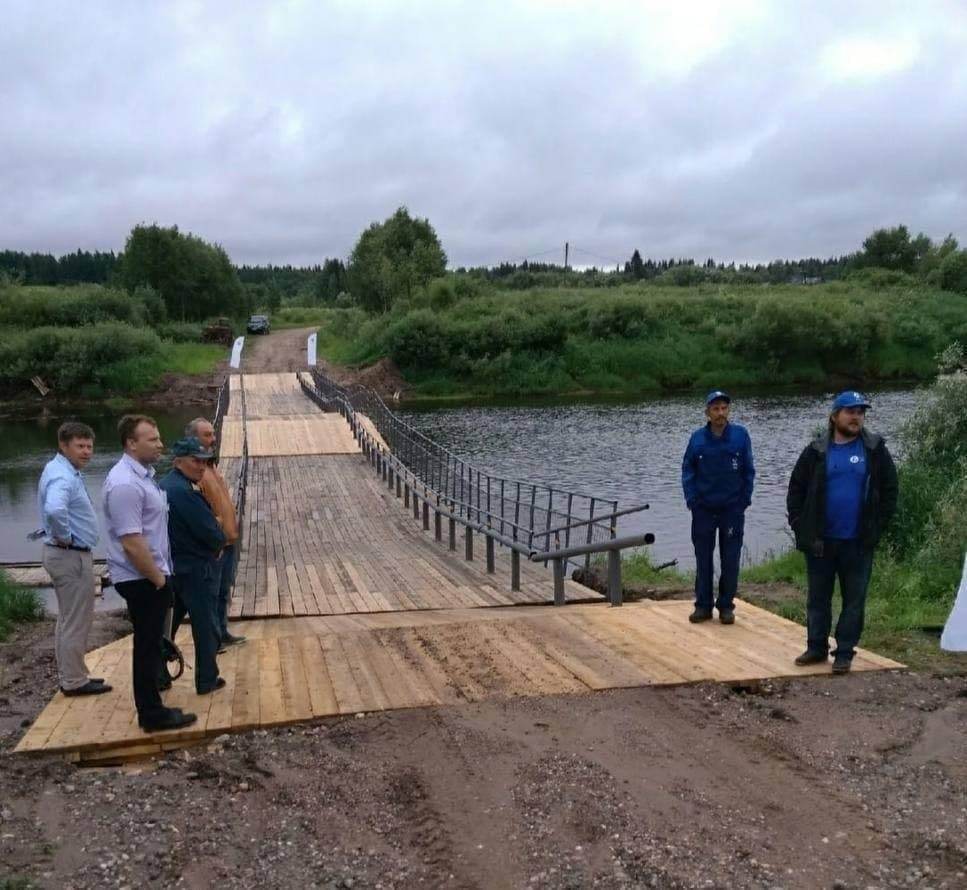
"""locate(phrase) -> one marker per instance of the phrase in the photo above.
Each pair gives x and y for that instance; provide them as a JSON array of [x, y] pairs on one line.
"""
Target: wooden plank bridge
[[352, 605]]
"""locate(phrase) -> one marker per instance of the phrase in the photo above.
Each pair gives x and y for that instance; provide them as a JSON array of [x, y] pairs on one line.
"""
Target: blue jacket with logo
[[718, 471]]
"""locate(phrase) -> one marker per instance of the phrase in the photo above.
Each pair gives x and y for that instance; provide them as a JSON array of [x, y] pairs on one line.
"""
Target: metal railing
[[221, 409], [543, 523]]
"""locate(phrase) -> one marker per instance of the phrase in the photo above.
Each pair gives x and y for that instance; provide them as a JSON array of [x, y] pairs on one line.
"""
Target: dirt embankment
[[851, 782]]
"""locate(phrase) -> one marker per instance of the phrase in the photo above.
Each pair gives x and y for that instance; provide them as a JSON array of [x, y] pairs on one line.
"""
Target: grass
[[298, 317], [898, 607], [18, 605], [145, 373]]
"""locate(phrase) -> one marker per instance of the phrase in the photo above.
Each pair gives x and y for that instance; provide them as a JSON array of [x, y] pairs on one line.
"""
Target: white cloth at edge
[[954, 637]]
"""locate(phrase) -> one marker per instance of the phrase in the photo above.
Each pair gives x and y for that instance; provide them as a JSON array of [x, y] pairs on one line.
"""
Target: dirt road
[[278, 351], [853, 782]]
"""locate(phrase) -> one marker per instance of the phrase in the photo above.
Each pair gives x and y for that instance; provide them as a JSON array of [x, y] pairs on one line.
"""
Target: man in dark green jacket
[[196, 543], [842, 495]]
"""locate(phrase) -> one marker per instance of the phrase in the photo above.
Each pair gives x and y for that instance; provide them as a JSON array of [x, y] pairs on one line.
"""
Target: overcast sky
[[739, 130]]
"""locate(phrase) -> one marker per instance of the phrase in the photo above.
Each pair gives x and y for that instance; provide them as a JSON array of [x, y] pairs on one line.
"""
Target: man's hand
[[136, 549]]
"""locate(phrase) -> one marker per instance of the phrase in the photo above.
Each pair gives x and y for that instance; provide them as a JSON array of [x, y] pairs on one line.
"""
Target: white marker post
[[236, 360], [311, 350]]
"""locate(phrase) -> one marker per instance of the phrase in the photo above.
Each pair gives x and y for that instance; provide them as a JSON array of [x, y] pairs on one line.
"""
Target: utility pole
[[565, 255]]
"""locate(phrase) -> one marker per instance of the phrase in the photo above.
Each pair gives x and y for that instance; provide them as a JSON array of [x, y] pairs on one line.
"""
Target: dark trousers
[[729, 525], [228, 563], [147, 608], [847, 561], [196, 593]]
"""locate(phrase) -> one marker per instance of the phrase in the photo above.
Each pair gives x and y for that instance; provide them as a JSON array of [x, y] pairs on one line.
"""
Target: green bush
[[179, 331], [953, 272], [71, 357], [32, 307]]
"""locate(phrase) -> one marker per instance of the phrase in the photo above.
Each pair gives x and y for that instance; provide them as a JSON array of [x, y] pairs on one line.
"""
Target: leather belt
[[71, 547]]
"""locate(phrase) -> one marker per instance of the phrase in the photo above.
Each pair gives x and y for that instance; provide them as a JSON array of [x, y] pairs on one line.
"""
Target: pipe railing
[[412, 484]]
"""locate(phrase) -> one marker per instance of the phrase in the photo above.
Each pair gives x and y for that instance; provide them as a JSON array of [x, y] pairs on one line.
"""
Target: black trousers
[[147, 608], [847, 561]]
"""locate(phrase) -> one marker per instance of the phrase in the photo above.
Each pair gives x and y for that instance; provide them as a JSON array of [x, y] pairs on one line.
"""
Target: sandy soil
[[847, 782]]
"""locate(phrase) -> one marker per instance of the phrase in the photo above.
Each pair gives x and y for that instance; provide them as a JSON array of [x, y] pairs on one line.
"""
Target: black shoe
[[164, 685], [219, 684], [727, 616], [700, 615], [231, 639], [91, 687], [842, 664], [170, 718], [95, 679], [811, 657]]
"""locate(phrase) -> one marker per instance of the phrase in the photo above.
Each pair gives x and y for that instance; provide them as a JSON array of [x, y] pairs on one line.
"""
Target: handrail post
[[614, 577], [406, 494], [559, 582], [437, 525], [490, 555], [515, 570], [453, 533], [416, 502], [426, 515], [469, 543]]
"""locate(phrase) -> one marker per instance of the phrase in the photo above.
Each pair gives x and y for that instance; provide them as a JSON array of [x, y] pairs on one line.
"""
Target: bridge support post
[[385, 465], [515, 570], [390, 484], [558, 582], [469, 548], [406, 495], [399, 486], [437, 525], [490, 555], [426, 515], [614, 577], [453, 534], [416, 505]]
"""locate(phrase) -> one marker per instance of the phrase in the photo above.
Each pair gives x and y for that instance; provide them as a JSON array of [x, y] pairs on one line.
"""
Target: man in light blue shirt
[[70, 533]]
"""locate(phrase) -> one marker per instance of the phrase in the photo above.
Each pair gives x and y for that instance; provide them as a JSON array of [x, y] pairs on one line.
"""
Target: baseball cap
[[850, 398], [717, 394], [191, 446]]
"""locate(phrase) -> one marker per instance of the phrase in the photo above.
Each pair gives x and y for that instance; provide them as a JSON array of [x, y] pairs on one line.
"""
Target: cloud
[[282, 130]]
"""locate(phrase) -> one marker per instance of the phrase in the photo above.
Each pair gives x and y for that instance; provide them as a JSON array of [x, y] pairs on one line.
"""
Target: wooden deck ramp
[[350, 606]]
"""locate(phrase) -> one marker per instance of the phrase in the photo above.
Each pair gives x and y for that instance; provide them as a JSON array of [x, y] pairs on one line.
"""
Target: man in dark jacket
[[842, 495], [717, 477], [196, 544]]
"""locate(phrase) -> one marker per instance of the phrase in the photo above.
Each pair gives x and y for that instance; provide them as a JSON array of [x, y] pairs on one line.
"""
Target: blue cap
[[715, 395], [191, 446], [849, 399]]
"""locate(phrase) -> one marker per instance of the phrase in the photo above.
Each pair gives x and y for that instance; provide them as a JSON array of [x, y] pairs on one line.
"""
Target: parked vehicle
[[219, 331], [258, 324]]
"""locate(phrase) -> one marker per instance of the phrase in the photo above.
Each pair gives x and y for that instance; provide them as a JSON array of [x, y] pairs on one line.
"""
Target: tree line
[[398, 258]]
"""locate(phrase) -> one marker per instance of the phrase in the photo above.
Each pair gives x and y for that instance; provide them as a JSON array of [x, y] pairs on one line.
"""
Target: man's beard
[[847, 431]]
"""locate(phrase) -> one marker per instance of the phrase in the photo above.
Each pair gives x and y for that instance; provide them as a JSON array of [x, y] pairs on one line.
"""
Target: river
[[629, 451]]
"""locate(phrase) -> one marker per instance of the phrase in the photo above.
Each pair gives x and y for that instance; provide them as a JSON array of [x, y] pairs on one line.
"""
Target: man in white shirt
[[139, 561]]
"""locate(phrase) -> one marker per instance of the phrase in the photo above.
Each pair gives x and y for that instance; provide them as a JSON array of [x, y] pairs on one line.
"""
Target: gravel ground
[[855, 782]]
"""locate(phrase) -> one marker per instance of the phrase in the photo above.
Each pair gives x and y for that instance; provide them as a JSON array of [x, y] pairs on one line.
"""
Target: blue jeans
[[196, 593], [729, 524], [847, 561], [227, 564]]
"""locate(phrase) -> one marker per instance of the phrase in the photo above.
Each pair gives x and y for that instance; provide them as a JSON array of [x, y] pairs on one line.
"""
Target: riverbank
[[647, 339]]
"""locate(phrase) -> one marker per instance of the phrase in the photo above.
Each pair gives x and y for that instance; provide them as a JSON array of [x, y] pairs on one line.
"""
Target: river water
[[630, 451]]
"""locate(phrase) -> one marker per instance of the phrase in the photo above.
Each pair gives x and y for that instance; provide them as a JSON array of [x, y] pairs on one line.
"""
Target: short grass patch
[[18, 605]]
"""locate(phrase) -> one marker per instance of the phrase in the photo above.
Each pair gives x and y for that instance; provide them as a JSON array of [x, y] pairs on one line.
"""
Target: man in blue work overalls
[[717, 477]]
